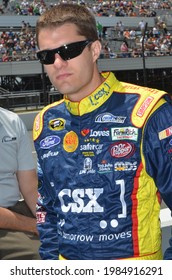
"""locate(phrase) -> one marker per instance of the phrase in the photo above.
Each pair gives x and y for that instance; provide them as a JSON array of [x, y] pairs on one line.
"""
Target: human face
[[78, 76]]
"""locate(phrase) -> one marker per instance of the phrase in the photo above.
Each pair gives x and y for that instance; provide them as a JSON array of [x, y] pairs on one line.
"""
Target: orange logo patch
[[70, 142]]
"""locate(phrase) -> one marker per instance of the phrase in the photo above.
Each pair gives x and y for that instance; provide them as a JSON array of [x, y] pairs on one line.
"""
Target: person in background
[[104, 151], [19, 238], [124, 49], [142, 25]]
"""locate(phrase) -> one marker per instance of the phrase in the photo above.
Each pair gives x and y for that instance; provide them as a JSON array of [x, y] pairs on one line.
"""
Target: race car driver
[[104, 151]]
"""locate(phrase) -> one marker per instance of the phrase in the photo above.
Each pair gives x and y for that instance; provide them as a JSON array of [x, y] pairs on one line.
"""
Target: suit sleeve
[[157, 149]]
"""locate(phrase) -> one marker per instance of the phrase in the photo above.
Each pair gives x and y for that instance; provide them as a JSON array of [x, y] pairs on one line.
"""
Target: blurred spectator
[[121, 28], [5, 3], [164, 27], [142, 26], [132, 34], [99, 29], [150, 44], [106, 50], [126, 34], [23, 25], [1, 9], [136, 52], [15, 56], [164, 47], [5, 57], [124, 49], [155, 32]]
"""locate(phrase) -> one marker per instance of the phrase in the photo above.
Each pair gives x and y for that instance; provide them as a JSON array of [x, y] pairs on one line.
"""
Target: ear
[[96, 49]]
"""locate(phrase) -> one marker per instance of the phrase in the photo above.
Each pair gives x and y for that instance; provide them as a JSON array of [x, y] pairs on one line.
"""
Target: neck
[[96, 81]]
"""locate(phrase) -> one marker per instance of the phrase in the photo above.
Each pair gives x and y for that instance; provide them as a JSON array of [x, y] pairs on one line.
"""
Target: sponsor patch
[[122, 149], [97, 148], [49, 142], [169, 151], [37, 127], [70, 142], [8, 139], [144, 106], [124, 133], [37, 122], [165, 133], [57, 124], [85, 132], [40, 217], [95, 98], [99, 133], [109, 118], [49, 154], [87, 167], [105, 167], [125, 166], [88, 154]]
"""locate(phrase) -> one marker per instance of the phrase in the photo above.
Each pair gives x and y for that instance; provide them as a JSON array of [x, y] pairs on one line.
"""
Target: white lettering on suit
[[78, 195]]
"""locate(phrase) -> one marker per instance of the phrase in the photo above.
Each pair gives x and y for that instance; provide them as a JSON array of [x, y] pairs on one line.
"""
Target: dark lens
[[46, 57], [72, 50], [50, 57]]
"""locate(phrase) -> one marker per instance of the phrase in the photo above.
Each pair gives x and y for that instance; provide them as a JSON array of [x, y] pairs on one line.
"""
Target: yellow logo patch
[[57, 124]]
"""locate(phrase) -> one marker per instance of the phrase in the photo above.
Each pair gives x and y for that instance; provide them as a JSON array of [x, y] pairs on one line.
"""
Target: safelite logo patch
[[144, 106], [70, 142]]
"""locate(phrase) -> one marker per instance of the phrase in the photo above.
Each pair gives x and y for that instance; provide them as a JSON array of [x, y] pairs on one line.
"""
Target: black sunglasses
[[66, 52]]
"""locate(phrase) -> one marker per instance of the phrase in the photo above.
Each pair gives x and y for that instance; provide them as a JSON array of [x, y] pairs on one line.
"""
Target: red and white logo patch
[[122, 149]]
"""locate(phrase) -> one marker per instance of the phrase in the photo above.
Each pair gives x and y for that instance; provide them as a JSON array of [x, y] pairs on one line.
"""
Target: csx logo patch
[[57, 124], [75, 201]]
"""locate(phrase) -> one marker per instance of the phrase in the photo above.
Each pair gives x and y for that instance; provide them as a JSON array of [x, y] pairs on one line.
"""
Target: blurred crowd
[[16, 45], [136, 42], [145, 8]]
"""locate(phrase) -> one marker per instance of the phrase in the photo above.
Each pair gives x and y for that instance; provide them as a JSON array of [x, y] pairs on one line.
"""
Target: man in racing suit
[[104, 158]]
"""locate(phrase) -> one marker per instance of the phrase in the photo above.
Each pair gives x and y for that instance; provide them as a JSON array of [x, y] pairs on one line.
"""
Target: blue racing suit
[[104, 164]]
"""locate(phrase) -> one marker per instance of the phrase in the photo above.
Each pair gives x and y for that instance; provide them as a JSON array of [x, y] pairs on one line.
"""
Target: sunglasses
[[66, 52]]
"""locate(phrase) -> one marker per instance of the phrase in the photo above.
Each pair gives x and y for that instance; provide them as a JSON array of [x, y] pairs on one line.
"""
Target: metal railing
[[25, 100]]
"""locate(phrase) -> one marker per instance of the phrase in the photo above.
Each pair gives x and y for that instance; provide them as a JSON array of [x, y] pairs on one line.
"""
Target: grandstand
[[151, 68]]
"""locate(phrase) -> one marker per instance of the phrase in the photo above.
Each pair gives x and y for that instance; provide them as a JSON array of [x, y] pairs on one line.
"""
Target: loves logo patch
[[85, 132]]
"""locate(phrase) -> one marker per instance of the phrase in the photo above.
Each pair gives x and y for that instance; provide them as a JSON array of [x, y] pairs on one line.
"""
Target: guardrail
[[26, 100]]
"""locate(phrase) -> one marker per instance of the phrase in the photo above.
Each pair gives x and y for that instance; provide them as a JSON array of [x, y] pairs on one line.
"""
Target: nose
[[59, 62]]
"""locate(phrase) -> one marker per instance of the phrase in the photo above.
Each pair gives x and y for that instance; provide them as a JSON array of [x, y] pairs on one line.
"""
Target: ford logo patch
[[49, 142]]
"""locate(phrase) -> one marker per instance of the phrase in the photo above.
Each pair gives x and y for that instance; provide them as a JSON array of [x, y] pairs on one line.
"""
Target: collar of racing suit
[[147, 98], [97, 97]]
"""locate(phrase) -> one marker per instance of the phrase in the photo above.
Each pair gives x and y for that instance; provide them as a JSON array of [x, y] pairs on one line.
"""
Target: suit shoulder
[[38, 123], [148, 98]]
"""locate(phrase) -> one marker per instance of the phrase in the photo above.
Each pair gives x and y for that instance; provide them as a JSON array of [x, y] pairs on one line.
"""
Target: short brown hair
[[69, 13]]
